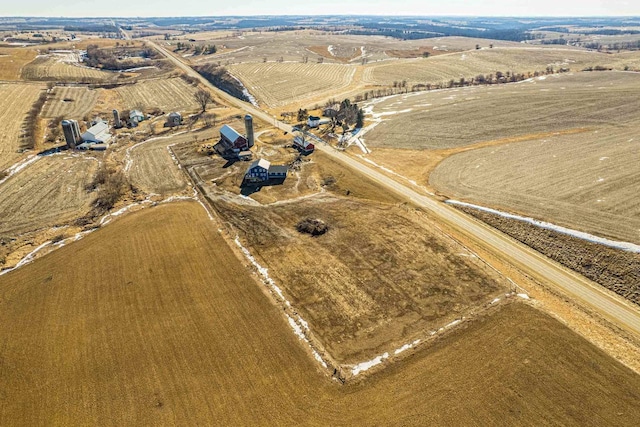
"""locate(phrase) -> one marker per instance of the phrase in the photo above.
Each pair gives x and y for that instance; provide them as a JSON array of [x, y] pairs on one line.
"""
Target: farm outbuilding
[[136, 115], [174, 119], [313, 121], [232, 139], [98, 133], [71, 132], [303, 145]]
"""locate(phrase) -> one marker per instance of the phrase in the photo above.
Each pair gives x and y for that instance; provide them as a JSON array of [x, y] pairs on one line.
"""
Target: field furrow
[[165, 94], [17, 99], [278, 84], [49, 192]]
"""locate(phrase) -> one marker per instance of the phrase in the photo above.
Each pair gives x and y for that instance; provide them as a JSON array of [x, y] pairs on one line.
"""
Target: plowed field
[[70, 102], [153, 321], [165, 94], [15, 102]]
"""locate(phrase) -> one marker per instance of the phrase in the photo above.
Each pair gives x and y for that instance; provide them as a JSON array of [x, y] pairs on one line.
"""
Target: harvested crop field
[[365, 293], [584, 181], [277, 84], [165, 94], [70, 102], [49, 192], [171, 329], [152, 169], [16, 101], [615, 269], [460, 117], [12, 60], [63, 68], [469, 64]]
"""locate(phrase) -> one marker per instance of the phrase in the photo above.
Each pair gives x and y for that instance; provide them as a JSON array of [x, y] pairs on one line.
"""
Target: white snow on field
[[361, 367], [317, 356], [246, 92], [523, 296], [330, 49], [406, 347], [625, 246], [298, 326], [495, 301]]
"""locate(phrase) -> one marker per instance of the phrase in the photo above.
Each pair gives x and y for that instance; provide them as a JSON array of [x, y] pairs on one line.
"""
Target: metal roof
[[229, 133], [277, 169], [260, 162]]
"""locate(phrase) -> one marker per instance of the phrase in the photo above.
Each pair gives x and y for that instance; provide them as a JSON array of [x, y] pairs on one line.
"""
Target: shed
[[136, 115], [174, 119], [303, 145]]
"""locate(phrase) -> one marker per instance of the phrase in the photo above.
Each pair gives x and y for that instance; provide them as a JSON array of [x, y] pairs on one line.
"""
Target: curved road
[[589, 294]]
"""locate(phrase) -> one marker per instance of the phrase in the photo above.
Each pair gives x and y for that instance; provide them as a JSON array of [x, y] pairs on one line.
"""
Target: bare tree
[[203, 98]]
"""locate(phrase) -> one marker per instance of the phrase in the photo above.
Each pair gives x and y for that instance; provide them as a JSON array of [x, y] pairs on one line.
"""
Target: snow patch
[[523, 296], [406, 347], [364, 366]]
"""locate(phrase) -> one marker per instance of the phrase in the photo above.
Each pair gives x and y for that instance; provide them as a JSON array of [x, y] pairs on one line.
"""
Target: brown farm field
[[277, 84], [152, 169], [16, 101], [63, 68], [468, 64], [166, 94], [49, 192], [567, 157], [585, 181], [12, 60], [169, 328], [458, 117], [70, 102]]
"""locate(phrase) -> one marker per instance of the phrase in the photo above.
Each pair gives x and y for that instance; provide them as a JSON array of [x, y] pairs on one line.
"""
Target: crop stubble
[[17, 99], [170, 328]]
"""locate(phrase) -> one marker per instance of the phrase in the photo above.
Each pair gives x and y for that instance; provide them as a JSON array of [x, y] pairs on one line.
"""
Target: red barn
[[303, 145], [230, 138]]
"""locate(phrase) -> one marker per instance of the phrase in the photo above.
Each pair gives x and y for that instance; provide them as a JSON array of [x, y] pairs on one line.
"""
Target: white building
[[98, 133]]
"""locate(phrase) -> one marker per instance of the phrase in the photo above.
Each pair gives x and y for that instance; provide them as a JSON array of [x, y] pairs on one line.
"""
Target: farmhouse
[[303, 145], [262, 170], [313, 121], [98, 133]]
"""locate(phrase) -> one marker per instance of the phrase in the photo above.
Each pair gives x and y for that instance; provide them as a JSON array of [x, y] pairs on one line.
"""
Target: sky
[[320, 7]]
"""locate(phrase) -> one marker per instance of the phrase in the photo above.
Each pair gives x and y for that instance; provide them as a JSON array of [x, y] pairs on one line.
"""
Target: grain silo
[[248, 126], [71, 132], [116, 119]]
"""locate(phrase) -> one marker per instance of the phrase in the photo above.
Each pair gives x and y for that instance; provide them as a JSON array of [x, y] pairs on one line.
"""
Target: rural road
[[588, 294]]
